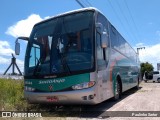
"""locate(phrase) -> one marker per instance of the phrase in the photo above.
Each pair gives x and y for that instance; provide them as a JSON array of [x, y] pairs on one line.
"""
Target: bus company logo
[[50, 87], [51, 81]]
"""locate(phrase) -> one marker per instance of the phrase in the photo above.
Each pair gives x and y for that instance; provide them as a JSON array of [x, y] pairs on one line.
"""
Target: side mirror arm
[[22, 38]]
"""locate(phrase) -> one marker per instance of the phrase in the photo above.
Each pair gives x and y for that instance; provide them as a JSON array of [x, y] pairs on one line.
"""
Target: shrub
[[11, 95]]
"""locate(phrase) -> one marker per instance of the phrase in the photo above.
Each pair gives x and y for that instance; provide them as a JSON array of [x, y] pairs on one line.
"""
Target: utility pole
[[140, 48], [80, 3]]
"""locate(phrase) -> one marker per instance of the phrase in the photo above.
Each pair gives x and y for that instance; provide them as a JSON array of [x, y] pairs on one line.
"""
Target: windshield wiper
[[36, 67], [71, 37], [64, 62], [62, 54], [62, 51]]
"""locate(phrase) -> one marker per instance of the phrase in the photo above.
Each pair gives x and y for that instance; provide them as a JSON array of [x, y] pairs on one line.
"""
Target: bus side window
[[99, 49], [105, 51], [100, 53]]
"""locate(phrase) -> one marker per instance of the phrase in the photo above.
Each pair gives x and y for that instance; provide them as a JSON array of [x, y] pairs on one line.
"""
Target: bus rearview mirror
[[17, 48], [104, 35], [99, 27], [104, 40], [17, 44]]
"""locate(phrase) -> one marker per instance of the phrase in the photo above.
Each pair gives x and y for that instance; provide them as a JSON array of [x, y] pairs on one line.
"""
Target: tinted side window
[[99, 49], [114, 40], [104, 51], [102, 19]]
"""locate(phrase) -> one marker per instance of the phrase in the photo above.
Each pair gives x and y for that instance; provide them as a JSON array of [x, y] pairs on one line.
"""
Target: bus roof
[[70, 12]]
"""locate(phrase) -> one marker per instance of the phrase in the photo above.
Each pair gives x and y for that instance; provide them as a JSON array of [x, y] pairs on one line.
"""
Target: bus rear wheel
[[137, 86], [117, 94]]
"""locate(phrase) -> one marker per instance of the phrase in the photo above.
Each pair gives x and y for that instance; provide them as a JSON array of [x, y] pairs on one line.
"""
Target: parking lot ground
[[142, 104], [147, 98], [145, 102]]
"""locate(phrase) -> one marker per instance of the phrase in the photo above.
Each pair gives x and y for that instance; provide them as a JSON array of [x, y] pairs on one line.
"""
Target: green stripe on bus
[[57, 83]]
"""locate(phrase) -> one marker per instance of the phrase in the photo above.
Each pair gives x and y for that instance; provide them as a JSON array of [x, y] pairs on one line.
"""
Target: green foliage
[[146, 67], [11, 94], [12, 99]]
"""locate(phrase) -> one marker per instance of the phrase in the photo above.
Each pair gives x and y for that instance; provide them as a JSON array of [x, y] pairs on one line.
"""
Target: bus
[[77, 57]]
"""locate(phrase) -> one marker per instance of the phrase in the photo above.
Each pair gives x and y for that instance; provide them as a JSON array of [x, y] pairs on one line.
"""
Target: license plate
[[52, 99]]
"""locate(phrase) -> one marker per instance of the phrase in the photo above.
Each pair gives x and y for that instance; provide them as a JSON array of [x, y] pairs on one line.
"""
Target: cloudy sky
[[137, 20]]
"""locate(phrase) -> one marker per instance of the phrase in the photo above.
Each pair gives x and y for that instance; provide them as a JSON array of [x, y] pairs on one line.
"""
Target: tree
[[146, 67]]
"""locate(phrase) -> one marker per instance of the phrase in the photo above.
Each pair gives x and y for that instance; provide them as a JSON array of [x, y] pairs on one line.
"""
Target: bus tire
[[117, 94], [137, 87]]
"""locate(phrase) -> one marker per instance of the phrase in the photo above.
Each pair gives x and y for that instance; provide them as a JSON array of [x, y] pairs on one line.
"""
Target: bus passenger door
[[102, 50], [101, 68]]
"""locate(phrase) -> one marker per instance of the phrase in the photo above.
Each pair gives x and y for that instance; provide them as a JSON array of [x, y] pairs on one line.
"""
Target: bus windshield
[[62, 45]]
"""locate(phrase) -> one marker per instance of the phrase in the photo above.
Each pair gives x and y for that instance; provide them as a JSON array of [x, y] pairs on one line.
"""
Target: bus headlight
[[30, 89], [83, 85]]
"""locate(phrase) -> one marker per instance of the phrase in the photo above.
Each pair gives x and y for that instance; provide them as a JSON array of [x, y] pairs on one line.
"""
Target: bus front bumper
[[85, 96]]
